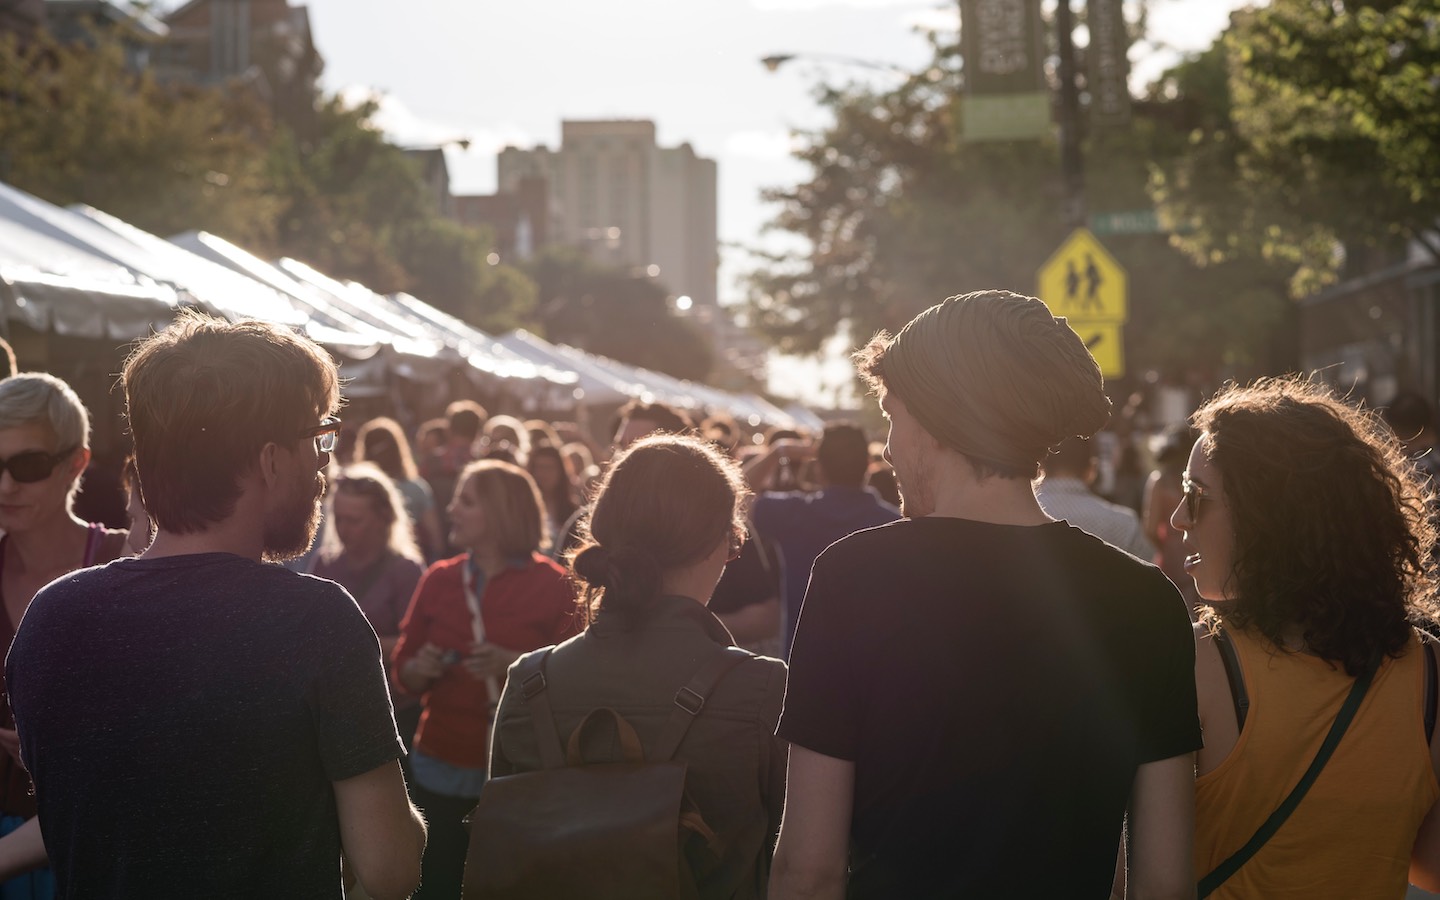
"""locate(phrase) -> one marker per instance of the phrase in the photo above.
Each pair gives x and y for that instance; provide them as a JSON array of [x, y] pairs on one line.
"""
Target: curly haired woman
[[1306, 531]]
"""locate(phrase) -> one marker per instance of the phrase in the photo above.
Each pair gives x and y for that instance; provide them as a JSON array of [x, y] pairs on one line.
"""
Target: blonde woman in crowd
[[471, 617], [382, 441]]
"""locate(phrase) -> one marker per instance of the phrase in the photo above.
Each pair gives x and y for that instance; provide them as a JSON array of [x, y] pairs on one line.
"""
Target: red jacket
[[523, 608]]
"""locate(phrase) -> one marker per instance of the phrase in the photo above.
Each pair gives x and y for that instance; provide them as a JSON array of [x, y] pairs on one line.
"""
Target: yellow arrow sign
[[1106, 342], [1083, 281]]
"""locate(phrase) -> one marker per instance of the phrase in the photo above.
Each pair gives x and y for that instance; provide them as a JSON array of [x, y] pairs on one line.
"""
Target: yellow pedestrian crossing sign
[[1082, 280]]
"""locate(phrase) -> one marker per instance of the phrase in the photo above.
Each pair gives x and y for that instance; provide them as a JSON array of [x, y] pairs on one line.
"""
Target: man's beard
[[290, 530], [917, 491]]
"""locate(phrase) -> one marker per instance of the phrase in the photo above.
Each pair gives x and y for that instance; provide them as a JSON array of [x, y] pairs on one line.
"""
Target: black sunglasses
[[1192, 495], [33, 465]]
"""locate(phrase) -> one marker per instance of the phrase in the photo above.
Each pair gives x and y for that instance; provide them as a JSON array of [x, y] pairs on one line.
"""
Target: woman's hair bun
[[630, 576], [594, 564], [635, 575]]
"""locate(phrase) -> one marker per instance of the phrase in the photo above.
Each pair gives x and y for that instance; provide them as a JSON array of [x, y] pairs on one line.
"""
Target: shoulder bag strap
[[1235, 675], [529, 674], [93, 540], [690, 700], [1430, 679], [1229, 867]]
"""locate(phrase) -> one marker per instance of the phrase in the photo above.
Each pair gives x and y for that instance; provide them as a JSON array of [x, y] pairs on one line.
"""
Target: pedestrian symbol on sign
[[1093, 280], [1083, 280]]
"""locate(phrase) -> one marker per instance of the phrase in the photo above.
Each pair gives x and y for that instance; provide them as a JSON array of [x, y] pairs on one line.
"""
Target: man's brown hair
[[204, 396]]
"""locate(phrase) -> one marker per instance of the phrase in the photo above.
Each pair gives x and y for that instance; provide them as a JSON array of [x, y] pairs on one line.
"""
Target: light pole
[[1072, 165]]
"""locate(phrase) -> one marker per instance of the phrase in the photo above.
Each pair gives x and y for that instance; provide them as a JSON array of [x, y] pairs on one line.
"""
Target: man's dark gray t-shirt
[[996, 687], [183, 719]]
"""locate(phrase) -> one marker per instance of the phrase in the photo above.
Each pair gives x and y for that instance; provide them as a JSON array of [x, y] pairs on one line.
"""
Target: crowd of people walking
[[964, 673]]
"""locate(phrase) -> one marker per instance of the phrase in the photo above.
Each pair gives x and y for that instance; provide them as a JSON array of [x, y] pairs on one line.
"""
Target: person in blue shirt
[[803, 523]]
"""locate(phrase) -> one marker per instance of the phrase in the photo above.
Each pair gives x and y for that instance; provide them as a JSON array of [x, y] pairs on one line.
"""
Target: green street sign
[[1005, 117], [1131, 221]]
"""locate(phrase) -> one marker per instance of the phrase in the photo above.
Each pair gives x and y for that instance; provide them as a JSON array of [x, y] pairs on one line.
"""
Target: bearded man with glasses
[[199, 722]]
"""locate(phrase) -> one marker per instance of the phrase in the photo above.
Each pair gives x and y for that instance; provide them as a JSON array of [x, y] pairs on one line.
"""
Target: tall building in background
[[629, 201], [266, 43], [22, 18], [518, 219]]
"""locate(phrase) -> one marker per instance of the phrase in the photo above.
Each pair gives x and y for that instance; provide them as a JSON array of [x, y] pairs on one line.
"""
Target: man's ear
[[269, 464]]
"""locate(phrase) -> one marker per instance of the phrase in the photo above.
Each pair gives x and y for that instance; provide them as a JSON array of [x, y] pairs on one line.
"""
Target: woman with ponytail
[[666, 520]]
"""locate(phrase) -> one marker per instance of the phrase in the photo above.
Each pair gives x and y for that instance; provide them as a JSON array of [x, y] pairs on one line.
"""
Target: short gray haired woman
[[44, 449]]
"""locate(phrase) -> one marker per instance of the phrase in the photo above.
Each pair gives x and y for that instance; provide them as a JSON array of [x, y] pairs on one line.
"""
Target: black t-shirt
[[753, 577], [996, 687], [184, 718]]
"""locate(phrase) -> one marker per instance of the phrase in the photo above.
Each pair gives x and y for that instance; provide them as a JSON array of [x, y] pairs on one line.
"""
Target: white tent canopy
[[482, 350], [596, 387], [624, 381], [689, 395], [52, 282], [328, 324], [216, 287]]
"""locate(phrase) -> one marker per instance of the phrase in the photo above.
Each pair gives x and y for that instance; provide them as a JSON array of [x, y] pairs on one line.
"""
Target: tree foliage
[[354, 205], [1329, 143], [898, 212], [894, 216], [78, 126], [616, 313]]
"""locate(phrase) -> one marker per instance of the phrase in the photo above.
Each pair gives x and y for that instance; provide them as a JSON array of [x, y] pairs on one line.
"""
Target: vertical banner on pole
[[1006, 97], [1108, 66]]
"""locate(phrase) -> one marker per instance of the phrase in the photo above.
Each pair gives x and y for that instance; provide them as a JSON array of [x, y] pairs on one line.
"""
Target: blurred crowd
[[476, 540]]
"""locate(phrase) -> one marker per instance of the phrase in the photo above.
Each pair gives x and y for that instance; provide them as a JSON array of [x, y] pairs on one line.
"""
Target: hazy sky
[[508, 71]]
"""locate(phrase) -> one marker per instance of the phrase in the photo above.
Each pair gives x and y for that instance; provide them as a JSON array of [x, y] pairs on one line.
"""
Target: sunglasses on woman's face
[[1193, 495], [33, 465]]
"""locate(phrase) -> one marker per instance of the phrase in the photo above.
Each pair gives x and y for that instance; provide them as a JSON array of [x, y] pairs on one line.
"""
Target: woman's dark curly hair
[[1331, 521]]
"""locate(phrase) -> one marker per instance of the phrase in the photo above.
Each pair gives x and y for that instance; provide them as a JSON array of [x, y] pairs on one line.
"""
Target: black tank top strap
[[1428, 648], [1235, 675]]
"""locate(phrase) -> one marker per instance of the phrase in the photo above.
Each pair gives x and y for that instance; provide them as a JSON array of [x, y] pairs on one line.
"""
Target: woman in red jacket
[[470, 618]]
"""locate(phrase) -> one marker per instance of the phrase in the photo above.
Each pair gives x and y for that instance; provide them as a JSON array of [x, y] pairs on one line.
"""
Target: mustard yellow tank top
[[1351, 835]]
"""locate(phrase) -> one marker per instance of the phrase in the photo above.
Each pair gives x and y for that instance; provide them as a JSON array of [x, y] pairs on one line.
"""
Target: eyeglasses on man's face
[[1192, 495], [325, 435], [33, 465]]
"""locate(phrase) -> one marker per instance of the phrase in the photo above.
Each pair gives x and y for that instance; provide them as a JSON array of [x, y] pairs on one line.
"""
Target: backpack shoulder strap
[[1235, 675], [690, 700], [529, 674]]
